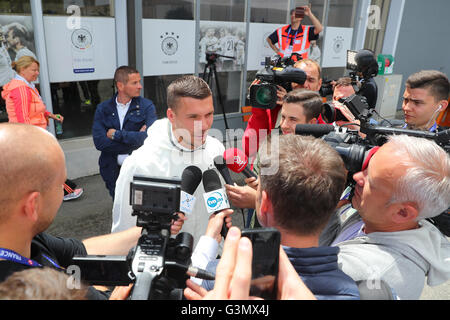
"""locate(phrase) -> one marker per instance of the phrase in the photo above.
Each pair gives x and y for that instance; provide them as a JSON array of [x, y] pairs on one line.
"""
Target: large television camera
[[277, 71], [159, 264]]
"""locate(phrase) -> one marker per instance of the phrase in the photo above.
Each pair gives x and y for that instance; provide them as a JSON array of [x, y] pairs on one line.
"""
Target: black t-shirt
[[311, 36], [369, 90], [59, 250]]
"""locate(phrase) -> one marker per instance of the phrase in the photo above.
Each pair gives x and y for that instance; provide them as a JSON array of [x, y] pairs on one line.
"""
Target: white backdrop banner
[[84, 53], [337, 42], [168, 46], [258, 48]]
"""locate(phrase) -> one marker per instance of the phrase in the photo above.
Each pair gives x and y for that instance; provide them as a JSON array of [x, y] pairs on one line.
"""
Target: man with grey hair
[[386, 236], [178, 141]]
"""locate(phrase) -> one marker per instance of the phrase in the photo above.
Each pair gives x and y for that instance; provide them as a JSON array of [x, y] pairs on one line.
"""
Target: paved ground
[[90, 215]]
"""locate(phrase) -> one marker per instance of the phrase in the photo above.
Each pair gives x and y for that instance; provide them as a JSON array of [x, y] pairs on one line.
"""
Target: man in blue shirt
[[120, 124]]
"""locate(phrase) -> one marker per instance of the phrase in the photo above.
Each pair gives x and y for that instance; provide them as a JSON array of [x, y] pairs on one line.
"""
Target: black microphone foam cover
[[220, 164], [190, 179], [211, 180], [316, 130]]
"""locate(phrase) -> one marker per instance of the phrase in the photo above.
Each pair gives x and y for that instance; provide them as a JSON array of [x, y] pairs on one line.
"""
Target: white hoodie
[[162, 156], [403, 259]]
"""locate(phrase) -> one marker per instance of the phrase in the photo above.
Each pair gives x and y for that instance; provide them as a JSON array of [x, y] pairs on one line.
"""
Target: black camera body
[[357, 105], [278, 72], [157, 265]]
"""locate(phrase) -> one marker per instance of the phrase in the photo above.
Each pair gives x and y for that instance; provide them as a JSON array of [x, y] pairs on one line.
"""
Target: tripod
[[210, 71]]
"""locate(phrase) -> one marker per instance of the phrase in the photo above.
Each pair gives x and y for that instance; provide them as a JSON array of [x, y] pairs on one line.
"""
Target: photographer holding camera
[[262, 121], [299, 106], [34, 172], [384, 233]]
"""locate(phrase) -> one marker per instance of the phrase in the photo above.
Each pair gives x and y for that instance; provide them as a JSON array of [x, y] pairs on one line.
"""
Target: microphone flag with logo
[[237, 161], [190, 179], [215, 196]]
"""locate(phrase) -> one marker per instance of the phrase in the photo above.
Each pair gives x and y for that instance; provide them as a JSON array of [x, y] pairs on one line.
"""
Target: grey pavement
[[90, 215]]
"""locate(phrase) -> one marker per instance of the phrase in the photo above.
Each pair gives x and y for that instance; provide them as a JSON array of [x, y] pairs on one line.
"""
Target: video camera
[[159, 265], [354, 149], [362, 65], [277, 71]]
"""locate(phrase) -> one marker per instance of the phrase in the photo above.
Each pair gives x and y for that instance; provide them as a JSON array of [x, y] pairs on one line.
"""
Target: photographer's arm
[[118, 243]]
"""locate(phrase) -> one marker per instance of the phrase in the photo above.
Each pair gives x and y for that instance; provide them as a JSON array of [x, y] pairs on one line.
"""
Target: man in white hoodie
[[178, 141], [385, 235]]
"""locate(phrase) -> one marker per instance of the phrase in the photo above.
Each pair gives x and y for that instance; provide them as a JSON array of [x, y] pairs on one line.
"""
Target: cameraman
[[263, 121], [384, 233], [33, 173]]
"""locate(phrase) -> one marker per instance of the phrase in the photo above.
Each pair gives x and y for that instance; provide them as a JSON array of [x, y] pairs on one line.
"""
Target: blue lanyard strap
[[295, 36], [15, 257]]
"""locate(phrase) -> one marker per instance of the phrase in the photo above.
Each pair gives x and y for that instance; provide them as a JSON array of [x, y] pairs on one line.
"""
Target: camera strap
[[13, 256]]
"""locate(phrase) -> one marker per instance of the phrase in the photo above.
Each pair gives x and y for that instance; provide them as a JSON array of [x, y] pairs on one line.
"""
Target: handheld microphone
[[221, 166], [316, 130], [190, 179], [215, 196], [237, 161]]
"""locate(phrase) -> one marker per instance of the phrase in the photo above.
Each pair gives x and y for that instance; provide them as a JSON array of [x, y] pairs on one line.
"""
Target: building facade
[[80, 43]]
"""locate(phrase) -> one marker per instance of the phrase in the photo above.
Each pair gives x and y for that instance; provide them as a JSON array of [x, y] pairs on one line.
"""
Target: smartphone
[[300, 12], [266, 250]]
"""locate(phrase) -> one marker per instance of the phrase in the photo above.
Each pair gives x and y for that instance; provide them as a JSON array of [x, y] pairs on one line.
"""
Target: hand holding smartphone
[[266, 249]]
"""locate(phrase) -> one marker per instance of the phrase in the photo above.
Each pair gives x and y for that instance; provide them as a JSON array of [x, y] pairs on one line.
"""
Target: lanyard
[[295, 36], [15, 257]]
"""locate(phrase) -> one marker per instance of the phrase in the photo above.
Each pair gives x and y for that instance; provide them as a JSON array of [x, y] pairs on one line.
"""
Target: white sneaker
[[74, 195]]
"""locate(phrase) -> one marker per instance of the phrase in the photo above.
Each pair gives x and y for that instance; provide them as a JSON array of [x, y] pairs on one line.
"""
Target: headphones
[[439, 108]]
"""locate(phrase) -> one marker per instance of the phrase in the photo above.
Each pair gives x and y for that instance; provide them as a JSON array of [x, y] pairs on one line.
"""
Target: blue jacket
[[318, 269], [141, 112]]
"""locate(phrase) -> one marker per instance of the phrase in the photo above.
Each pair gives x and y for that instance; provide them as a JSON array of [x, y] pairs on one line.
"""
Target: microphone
[[316, 130], [215, 196], [237, 161], [221, 166], [190, 179]]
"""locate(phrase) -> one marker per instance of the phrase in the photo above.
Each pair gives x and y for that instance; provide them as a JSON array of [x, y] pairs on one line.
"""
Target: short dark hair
[[308, 185], [122, 73], [310, 100], [436, 81], [187, 86]]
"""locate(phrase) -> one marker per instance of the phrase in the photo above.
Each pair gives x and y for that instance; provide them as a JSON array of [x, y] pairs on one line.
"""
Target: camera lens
[[264, 96], [328, 112]]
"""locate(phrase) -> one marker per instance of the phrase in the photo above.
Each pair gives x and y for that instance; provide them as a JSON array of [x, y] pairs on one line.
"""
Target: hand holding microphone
[[215, 196]]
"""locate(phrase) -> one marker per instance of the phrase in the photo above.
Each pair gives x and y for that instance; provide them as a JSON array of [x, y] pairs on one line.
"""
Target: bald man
[[33, 173]]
